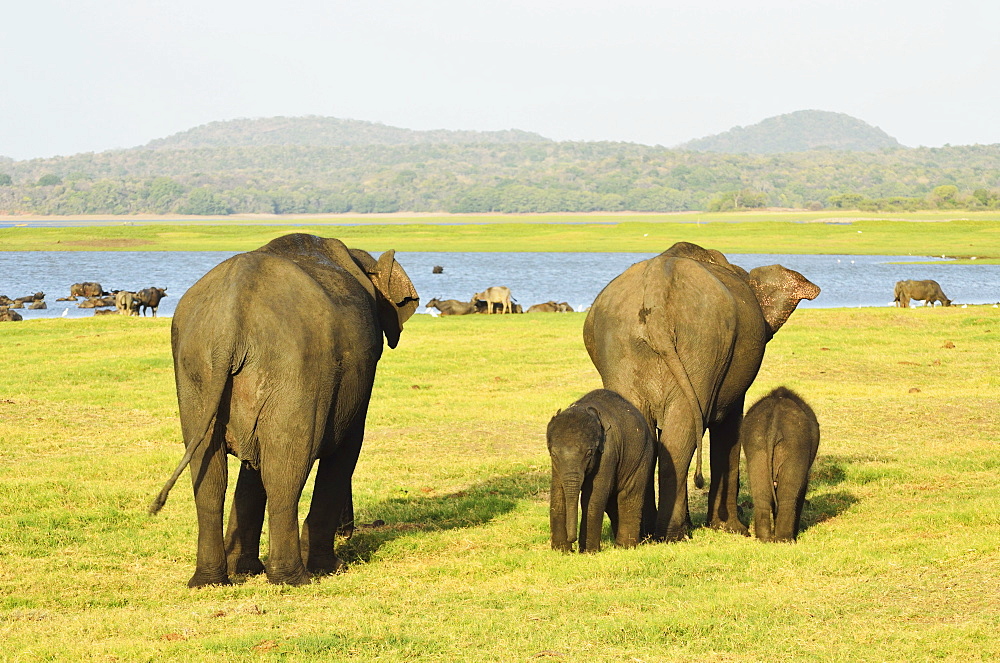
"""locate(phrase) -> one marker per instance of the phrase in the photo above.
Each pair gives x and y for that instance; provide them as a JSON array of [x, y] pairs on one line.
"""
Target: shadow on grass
[[828, 471], [821, 508], [477, 505]]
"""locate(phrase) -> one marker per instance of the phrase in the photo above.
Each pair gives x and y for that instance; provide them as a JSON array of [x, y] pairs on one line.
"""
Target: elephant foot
[[327, 565], [292, 577], [732, 525], [204, 578], [673, 535], [248, 565]]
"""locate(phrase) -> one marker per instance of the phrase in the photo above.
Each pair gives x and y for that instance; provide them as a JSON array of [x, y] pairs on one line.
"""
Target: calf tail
[[217, 385]]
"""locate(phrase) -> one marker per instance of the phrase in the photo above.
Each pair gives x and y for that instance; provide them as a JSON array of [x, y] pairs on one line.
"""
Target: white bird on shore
[[65, 311]]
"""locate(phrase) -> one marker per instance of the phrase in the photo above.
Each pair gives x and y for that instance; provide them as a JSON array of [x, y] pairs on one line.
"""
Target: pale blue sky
[[91, 75]]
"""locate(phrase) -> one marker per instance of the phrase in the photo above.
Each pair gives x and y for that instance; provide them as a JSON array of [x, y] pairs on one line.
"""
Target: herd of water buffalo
[[496, 299], [89, 294]]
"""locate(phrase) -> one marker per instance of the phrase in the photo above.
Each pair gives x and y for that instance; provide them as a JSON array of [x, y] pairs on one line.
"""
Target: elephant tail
[[217, 385], [666, 348], [773, 439]]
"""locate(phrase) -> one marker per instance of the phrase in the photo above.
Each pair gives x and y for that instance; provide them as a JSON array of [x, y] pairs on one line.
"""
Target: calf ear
[[592, 411]]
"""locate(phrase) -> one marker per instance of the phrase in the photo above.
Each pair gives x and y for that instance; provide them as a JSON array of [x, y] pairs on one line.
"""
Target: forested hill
[[316, 131], [797, 132], [479, 172]]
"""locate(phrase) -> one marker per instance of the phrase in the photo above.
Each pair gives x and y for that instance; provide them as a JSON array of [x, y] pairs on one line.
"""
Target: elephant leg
[[593, 499], [319, 529], [246, 521], [628, 507], [649, 505], [557, 515], [345, 527], [209, 474], [791, 497], [725, 462], [331, 495], [674, 452], [283, 483], [762, 492], [613, 516]]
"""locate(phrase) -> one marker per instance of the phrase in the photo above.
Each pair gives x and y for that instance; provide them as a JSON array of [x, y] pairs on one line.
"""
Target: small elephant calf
[[780, 437], [602, 455]]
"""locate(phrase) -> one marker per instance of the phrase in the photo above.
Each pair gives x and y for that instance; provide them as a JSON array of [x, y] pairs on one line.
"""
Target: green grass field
[[964, 234], [900, 558]]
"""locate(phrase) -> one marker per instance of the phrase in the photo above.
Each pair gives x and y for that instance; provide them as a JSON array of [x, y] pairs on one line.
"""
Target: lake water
[[577, 278]]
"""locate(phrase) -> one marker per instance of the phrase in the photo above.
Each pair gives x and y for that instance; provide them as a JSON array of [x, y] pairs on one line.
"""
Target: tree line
[[512, 178]]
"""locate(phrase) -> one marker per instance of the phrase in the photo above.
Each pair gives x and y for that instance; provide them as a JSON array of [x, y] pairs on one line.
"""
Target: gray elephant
[[682, 336], [928, 291], [280, 388], [602, 455], [780, 437]]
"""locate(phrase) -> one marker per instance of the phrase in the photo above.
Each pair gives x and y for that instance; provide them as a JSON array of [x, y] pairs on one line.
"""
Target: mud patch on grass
[[110, 243]]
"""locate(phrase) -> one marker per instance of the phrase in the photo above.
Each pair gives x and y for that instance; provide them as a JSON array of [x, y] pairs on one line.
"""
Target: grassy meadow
[[899, 559]]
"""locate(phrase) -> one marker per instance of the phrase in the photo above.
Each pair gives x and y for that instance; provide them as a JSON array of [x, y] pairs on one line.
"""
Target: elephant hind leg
[[246, 521], [283, 483], [209, 474], [724, 488], [674, 452]]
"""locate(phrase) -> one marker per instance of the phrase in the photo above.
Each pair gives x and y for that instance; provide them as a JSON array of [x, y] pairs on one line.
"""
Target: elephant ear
[[592, 411], [779, 290], [396, 297]]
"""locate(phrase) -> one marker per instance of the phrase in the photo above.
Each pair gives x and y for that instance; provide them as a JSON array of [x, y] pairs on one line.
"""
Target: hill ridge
[[799, 131], [322, 131]]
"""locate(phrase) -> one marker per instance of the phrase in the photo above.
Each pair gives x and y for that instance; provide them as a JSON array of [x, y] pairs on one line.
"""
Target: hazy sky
[[91, 75]]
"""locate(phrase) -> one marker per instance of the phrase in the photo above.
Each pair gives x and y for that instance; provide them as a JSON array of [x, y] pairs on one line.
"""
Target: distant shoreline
[[767, 214]]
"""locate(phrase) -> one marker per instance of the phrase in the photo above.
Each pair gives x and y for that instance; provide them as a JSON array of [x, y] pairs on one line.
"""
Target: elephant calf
[[780, 436], [602, 456]]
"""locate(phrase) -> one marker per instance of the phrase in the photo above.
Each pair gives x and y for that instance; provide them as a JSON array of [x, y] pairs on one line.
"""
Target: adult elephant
[[682, 336], [280, 387]]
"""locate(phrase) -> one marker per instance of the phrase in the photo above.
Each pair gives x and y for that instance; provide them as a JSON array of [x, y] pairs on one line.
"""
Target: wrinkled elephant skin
[[602, 455], [280, 387], [682, 336], [780, 437]]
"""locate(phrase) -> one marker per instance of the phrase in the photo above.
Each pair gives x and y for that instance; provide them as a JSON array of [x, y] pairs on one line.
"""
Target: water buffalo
[[451, 306], [928, 291], [97, 302], [27, 299], [551, 307], [125, 303], [9, 316], [149, 298], [499, 294], [38, 305], [86, 289]]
